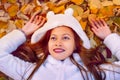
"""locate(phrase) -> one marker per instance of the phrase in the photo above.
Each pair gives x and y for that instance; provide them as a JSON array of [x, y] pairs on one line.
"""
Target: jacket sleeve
[[113, 43], [9, 64], [113, 70]]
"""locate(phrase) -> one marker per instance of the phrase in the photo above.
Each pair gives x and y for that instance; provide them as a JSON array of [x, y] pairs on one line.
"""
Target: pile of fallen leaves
[[15, 13]]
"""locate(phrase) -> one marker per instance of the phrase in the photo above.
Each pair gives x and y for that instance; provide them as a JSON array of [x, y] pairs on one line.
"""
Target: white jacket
[[51, 69]]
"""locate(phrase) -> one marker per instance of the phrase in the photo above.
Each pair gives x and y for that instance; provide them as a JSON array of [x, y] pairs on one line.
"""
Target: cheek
[[71, 46]]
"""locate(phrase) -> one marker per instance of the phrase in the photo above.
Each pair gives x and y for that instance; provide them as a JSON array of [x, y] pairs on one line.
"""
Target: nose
[[58, 43]]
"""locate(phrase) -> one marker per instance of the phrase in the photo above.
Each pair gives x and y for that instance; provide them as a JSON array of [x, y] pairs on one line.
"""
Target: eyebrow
[[62, 34]]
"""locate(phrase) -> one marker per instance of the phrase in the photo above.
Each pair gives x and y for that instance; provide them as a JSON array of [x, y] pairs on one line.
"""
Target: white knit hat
[[55, 20]]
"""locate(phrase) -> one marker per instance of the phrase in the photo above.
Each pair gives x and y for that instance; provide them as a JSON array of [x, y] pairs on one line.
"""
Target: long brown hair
[[90, 57]]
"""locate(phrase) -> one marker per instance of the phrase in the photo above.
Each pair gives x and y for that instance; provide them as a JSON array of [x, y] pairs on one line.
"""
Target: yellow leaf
[[83, 24], [19, 23], [94, 10], [12, 1], [12, 10], [92, 16], [86, 14], [78, 11], [27, 8], [59, 9], [37, 8], [78, 2], [94, 6], [3, 25], [106, 11], [2, 34], [50, 5], [54, 8]]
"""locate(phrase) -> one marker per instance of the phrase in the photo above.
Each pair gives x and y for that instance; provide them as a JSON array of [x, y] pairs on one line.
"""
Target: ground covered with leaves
[[14, 14]]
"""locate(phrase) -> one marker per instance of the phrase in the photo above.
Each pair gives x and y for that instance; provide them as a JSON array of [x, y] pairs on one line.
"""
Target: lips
[[58, 50]]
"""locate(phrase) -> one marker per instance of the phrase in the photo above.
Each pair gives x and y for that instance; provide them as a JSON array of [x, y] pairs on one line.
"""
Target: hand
[[100, 28], [33, 24]]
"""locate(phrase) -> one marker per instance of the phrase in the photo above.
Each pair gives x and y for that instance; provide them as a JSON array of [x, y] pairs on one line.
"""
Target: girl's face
[[61, 43]]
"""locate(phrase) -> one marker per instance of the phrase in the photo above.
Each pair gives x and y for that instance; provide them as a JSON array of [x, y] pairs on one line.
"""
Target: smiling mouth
[[58, 50]]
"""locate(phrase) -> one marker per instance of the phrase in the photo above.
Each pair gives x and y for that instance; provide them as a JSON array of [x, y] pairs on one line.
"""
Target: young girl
[[66, 53]]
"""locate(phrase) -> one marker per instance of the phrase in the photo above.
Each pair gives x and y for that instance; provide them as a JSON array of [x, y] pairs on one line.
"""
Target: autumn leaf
[[77, 2], [106, 11], [12, 10]]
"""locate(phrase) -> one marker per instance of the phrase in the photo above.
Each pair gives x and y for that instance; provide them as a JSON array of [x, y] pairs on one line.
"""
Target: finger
[[104, 23], [36, 20], [34, 15], [40, 18], [100, 23], [32, 18], [42, 21], [93, 24], [95, 30]]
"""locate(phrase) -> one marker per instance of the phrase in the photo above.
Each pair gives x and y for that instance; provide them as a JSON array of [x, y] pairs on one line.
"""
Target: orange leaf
[[12, 10], [83, 24], [78, 2]]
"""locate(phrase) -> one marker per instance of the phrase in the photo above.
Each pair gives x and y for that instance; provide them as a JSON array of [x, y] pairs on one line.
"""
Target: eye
[[66, 38], [52, 38]]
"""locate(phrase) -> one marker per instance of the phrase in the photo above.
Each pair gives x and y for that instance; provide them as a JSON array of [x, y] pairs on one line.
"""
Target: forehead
[[62, 29]]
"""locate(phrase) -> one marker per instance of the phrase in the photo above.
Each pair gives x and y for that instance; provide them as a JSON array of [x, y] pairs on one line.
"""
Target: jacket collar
[[67, 61]]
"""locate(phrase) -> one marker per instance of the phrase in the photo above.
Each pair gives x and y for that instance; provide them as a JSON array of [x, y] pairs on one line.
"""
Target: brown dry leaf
[[45, 8], [4, 16], [2, 12], [62, 2], [107, 3], [116, 11], [116, 20], [93, 43], [3, 1], [22, 16], [53, 1], [3, 25], [12, 10], [6, 6], [11, 26], [4, 19], [116, 2]]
